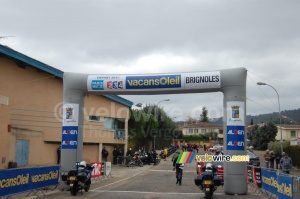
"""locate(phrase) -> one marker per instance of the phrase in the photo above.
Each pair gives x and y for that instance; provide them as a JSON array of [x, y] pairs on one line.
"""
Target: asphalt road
[[147, 182]]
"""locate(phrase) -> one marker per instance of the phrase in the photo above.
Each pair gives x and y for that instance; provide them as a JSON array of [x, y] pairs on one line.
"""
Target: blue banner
[[269, 180], [15, 181], [235, 138], [153, 82], [69, 137], [285, 187]]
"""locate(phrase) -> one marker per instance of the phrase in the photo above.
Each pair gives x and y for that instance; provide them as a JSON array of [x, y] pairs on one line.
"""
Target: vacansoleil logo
[[222, 158]]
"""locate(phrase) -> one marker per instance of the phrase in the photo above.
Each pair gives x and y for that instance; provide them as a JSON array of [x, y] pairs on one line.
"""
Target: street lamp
[[165, 100], [264, 84]]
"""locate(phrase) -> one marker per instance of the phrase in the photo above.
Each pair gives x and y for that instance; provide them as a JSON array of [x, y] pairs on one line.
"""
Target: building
[[290, 132], [31, 95], [202, 128]]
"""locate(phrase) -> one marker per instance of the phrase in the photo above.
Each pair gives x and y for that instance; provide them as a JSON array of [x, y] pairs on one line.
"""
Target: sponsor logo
[[236, 132], [202, 79], [69, 143], [235, 111], [153, 82], [69, 113], [97, 85], [70, 132], [114, 84], [236, 143]]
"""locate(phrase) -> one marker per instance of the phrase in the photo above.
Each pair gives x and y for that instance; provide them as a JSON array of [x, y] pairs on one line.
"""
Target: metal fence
[[273, 183]]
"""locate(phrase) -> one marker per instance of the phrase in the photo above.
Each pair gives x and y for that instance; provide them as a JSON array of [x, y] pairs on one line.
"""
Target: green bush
[[293, 152], [275, 146]]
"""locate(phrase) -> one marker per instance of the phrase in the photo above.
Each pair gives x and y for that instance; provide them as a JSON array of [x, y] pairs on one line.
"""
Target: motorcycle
[[208, 180], [79, 179], [135, 160]]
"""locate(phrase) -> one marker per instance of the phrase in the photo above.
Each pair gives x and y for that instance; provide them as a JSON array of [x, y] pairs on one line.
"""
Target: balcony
[[119, 134]]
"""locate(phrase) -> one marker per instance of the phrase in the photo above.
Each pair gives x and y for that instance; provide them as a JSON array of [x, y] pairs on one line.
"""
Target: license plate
[[207, 189], [72, 178], [71, 185], [207, 182]]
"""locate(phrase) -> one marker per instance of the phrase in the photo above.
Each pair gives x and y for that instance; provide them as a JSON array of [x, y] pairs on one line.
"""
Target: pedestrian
[[149, 157], [286, 163], [277, 158], [179, 170], [115, 156], [154, 155], [176, 154], [58, 154], [104, 154], [267, 158], [272, 159], [204, 146], [165, 154]]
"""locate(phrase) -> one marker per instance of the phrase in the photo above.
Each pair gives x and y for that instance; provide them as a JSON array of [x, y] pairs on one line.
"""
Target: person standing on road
[[179, 170], [104, 154], [272, 159], [165, 154], [115, 154], [277, 158], [286, 163], [267, 158]]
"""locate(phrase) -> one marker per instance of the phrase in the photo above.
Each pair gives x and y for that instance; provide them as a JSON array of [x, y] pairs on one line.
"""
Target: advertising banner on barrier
[[15, 181], [285, 187], [107, 168], [249, 173], [256, 173], [269, 180], [98, 169]]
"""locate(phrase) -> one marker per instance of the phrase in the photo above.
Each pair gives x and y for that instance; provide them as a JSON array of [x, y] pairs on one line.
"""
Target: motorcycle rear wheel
[[208, 195], [74, 190], [87, 188], [141, 164]]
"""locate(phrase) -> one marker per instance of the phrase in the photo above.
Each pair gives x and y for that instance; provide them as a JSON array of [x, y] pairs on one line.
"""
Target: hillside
[[288, 117]]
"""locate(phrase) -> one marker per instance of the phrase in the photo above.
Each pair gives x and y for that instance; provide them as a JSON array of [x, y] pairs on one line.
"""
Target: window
[[195, 131], [191, 131], [203, 131], [293, 133], [109, 123], [94, 118]]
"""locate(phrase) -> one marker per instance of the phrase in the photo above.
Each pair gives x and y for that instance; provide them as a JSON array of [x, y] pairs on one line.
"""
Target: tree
[[261, 136], [151, 121], [204, 115]]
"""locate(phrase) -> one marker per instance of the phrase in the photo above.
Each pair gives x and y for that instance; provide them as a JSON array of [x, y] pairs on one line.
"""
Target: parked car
[[216, 148], [254, 159], [218, 165]]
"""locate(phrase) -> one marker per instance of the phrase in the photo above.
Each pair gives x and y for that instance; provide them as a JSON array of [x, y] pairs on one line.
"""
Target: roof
[[202, 125], [22, 59], [19, 57]]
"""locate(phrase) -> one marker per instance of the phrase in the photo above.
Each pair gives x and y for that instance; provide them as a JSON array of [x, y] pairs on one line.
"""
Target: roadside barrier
[[273, 183], [32, 180]]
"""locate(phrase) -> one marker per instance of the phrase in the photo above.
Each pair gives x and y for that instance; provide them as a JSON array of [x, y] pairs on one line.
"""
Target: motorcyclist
[[209, 167], [83, 167]]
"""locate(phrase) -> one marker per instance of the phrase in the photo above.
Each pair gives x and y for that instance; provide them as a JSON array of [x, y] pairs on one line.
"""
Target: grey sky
[[141, 37]]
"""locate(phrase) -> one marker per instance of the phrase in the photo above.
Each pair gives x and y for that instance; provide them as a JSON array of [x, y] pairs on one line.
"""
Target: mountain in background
[[287, 117]]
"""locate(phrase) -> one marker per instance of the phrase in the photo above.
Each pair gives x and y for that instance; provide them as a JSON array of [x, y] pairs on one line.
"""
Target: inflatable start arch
[[231, 82]]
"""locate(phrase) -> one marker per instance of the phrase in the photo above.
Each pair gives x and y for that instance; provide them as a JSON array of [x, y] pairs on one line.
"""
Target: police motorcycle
[[208, 180], [134, 160], [79, 179]]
